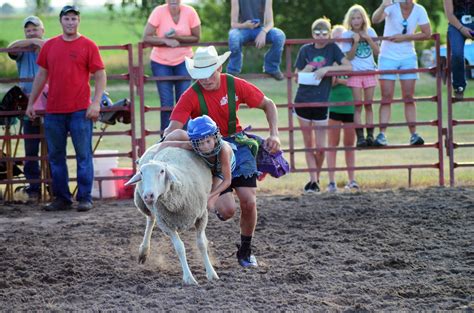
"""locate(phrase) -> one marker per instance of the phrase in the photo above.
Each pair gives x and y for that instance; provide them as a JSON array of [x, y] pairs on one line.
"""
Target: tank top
[[251, 9]]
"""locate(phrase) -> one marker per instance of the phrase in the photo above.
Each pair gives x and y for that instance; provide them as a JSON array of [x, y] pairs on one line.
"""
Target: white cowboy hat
[[205, 62]]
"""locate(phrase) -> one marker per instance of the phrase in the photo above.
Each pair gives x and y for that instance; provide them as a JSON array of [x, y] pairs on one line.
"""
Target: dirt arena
[[382, 250]]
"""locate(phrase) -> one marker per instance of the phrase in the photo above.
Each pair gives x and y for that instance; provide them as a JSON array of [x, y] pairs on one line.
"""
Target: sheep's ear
[[170, 176], [136, 178]]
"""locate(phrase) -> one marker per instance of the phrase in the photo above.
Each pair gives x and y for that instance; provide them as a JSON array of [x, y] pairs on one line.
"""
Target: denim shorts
[[245, 163], [402, 64]]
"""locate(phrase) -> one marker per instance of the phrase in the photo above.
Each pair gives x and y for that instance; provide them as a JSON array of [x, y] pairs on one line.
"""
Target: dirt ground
[[380, 250]]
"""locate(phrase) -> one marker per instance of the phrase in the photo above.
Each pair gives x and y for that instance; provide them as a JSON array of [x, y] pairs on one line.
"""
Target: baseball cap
[[33, 20], [69, 8]]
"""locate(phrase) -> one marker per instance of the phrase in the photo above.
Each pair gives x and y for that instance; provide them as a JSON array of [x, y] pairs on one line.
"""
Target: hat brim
[[203, 73]]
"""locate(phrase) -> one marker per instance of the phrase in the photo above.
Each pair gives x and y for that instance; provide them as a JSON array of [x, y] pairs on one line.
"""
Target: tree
[[7, 9], [40, 6]]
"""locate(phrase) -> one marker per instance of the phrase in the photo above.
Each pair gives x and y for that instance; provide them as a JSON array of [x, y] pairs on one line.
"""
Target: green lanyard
[[230, 99]]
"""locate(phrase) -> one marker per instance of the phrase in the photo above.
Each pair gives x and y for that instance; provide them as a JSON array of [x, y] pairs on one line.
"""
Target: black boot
[[370, 137], [361, 143]]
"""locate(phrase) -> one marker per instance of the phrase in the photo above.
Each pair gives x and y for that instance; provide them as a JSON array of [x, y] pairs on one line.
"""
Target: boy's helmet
[[200, 128]]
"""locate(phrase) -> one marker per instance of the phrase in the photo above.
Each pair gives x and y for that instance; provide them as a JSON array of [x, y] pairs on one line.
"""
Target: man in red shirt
[[206, 68], [65, 62]]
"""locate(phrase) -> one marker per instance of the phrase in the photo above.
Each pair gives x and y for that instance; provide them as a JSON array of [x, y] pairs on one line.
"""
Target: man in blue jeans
[[460, 15], [27, 68], [66, 61], [252, 20]]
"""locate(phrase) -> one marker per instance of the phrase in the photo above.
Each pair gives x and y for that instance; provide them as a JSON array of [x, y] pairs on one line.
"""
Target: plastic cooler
[[123, 192], [103, 167]]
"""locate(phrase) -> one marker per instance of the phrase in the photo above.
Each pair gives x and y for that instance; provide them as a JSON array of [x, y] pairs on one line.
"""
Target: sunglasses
[[405, 25], [320, 32]]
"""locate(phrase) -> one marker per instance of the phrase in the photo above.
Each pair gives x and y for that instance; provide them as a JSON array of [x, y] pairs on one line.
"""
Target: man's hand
[[30, 111], [272, 143], [93, 111], [260, 40]]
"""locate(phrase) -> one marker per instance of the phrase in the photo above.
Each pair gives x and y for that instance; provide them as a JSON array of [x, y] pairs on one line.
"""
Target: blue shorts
[[245, 163], [402, 64]]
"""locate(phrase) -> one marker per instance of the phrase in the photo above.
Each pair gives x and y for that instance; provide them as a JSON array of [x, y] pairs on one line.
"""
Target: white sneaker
[[332, 188], [352, 186]]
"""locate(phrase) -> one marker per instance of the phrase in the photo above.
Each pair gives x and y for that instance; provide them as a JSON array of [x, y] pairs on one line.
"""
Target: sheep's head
[[156, 180]]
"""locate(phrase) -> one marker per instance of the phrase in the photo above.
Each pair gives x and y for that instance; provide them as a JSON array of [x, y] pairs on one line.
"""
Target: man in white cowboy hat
[[213, 93]]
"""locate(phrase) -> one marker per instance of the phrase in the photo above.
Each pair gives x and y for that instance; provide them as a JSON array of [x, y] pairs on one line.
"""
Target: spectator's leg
[[357, 96], [349, 139], [368, 97], [56, 131], [309, 141], [408, 92], [387, 89], [273, 56], [81, 135], [457, 41], [165, 91], [32, 168], [181, 85], [333, 141], [237, 37], [321, 140]]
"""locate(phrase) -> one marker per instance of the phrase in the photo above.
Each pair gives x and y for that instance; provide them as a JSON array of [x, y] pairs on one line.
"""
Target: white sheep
[[173, 186]]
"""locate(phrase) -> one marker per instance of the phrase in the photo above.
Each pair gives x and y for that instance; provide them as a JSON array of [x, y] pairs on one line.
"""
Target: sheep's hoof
[[142, 258], [212, 276], [190, 281]]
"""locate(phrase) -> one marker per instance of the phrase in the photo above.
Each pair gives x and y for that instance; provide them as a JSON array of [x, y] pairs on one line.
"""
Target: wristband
[[460, 28]]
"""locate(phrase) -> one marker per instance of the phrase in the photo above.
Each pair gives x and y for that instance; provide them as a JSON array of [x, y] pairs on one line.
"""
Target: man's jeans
[[32, 168], [57, 126], [165, 88], [237, 37], [457, 41]]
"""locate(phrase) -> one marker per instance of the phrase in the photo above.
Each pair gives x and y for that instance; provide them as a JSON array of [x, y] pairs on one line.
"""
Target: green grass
[[106, 32]]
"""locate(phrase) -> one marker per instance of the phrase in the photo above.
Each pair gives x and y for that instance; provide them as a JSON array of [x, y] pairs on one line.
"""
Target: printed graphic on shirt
[[224, 100], [318, 62], [363, 50]]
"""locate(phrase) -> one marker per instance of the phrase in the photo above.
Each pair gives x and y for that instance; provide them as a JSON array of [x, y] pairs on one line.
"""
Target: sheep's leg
[[144, 250], [201, 240], [188, 277]]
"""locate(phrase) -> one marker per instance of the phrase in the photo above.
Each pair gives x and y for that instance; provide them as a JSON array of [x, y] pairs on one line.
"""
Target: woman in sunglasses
[[398, 53], [316, 59]]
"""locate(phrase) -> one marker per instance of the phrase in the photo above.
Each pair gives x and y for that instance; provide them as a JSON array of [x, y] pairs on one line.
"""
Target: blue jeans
[[245, 163], [457, 41], [237, 37], [57, 127], [32, 168], [165, 88]]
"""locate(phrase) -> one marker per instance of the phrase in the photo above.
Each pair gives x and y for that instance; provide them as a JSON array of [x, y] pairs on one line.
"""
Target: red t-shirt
[[217, 105], [69, 64]]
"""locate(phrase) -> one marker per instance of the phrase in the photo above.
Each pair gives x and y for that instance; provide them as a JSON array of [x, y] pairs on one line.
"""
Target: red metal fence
[[136, 79]]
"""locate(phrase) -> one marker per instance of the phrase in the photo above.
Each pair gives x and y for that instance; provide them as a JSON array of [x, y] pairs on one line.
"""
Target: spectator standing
[[341, 115], [318, 58], [221, 95], [460, 15], [27, 68], [66, 61], [252, 20], [169, 26], [398, 53], [361, 54]]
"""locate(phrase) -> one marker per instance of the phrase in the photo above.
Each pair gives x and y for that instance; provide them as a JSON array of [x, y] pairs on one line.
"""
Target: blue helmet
[[200, 128]]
